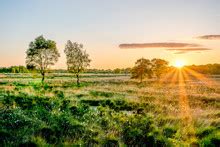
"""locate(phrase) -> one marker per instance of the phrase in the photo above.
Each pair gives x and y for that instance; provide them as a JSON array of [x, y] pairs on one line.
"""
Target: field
[[108, 110]]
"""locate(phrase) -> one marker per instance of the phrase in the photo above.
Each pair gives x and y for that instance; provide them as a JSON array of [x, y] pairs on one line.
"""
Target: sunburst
[[179, 63]]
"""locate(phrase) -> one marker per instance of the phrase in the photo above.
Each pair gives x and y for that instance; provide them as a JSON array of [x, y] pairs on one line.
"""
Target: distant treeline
[[14, 69], [23, 69], [116, 71], [204, 69], [211, 69]]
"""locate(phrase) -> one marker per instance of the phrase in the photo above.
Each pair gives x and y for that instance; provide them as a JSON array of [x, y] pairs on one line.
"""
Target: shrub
[[48, 134], [59, 94], [79, 110], [204, 132], [47, 87], [111, 143], [92, 142], [6, 137], [18, 125], [80, 95], [92, 102], [169, 132], [65, 104], [140, 130], [211, 141], [117, 104], [28, 144]]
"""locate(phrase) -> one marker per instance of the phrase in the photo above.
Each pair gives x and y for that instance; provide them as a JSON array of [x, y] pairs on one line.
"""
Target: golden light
[[181, 77], [179, 63]]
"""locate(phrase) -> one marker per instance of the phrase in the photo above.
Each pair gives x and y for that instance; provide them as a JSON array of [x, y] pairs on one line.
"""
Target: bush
[[92, 102], [65, 104], [140, 130], [49, 135], [212, 141], [79, 110], [209, 136], [111, 143], [28, 144], [59, 94], [169, 132], [16, 126], [204, 132], [117, 104]]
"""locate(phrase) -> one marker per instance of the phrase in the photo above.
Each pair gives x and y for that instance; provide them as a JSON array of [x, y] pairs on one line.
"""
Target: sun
[[179, 63]]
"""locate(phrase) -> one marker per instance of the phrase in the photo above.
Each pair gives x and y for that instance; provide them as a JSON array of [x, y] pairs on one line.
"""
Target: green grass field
[[108, 110]]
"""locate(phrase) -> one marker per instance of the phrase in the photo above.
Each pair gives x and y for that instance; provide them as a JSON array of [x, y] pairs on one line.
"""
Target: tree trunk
[[77, 80], [141, 78], [43, 77]]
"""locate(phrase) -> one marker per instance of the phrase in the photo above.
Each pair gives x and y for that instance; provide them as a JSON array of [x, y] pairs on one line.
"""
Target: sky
[[115, 33]]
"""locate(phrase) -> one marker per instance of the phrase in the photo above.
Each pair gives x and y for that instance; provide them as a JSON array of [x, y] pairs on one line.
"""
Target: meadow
[[108, 110]]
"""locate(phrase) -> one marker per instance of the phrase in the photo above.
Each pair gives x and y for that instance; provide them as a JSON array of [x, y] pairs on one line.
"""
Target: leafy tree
[[31, 68], [77, 58], [142, 69], [117, 70], [41, 54], [159, 66]]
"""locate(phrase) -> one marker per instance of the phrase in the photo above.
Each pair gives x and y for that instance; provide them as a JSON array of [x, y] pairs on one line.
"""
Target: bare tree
[[42, 54], [77, 58]]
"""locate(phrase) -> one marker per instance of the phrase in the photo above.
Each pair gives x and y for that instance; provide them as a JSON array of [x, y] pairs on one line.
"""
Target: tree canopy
[[77, 58], [41, 54], [142, 69], [159, 66], [148, 68]]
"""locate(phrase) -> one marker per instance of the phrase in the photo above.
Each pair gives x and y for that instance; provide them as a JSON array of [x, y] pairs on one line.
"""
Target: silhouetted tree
[[142, 69], [77, 58], [159, 66], [41, 54]]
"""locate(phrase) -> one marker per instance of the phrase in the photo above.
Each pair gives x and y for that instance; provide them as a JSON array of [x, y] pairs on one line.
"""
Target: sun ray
[[183, 95], [186, 75], [179, 63], [167, 76], [174, 78], [188, 131], [207, 81]]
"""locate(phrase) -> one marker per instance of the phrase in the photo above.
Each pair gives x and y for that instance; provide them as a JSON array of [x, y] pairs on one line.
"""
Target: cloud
[[209, 37], [157, 45], [180, 52], [187, 50], [175, 47]]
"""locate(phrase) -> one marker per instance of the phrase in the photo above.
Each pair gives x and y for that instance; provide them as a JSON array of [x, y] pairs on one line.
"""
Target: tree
[[77, 58], [117, 70], [41, 54], [159, 66], [142, 69]]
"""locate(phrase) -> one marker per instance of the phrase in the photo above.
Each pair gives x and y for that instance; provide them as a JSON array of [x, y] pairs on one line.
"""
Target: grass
[[106, 110]]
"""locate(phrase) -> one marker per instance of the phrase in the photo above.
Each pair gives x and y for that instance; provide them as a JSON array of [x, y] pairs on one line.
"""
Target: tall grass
[[104, 112]]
